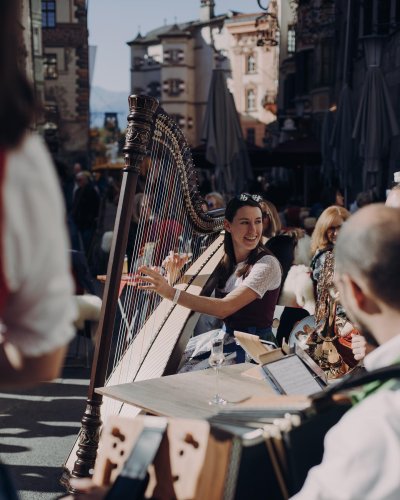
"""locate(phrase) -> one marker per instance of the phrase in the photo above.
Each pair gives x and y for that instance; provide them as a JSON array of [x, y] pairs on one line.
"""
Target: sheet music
[[292, 376]]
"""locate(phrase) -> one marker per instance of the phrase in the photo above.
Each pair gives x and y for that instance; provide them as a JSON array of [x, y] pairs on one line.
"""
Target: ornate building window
[[50, 69], [154, 89], [48, 13], [137, 63], [291, 40], [251, 66], [250, 100], [174, 56], [173, 86]]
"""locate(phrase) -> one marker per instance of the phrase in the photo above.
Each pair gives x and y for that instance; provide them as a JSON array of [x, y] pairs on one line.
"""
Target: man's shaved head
[[368, 247]]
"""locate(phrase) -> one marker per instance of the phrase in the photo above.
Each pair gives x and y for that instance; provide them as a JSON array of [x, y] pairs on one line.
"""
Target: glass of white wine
[[216, 360]]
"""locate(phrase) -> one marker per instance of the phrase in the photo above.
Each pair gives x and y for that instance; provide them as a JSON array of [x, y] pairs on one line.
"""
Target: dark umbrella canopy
[[327, 165], [225, 146], [376, 122], [342, 140]]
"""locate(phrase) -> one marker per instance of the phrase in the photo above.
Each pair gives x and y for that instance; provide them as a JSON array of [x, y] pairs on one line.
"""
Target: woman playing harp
[[248, 277]]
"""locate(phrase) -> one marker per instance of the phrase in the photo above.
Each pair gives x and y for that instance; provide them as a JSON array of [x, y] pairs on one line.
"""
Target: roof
[[238, 17], [154, 36], [175, 31]]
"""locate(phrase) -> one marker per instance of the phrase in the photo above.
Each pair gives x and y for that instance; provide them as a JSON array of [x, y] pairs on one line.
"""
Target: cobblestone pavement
[[38, 428]]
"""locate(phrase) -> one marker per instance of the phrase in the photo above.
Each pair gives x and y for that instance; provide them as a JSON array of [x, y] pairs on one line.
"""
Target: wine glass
[[216, 360]]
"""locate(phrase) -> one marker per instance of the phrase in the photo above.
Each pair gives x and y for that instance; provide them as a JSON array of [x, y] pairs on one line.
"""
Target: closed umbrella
[[327, 165], [342, 141], [376, 121], [225, 146]]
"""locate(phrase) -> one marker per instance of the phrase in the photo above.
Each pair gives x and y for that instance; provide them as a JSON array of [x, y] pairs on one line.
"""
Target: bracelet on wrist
[[176, 296]]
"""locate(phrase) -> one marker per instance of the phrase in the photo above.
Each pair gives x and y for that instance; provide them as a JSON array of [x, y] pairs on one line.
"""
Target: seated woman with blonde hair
[[322, 265]]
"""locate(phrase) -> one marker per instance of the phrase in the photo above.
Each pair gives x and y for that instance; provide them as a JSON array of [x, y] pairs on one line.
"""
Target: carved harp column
[[137, 141]]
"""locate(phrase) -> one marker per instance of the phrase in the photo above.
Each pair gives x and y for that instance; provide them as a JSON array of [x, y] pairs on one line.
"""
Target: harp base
[[88, 443]]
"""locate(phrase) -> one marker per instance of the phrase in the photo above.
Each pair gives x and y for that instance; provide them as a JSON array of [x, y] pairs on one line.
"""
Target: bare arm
[[17, 370], [220, 308]]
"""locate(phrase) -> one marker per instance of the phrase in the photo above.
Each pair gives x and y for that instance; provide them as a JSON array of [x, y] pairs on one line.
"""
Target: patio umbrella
[[342, 141], [225, 146], [327, 165], [376, 121]]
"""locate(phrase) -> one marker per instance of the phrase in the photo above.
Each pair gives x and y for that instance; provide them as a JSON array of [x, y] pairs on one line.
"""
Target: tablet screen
[[291, 376]]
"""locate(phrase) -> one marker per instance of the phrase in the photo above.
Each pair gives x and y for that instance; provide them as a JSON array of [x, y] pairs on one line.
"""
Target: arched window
[[251, 64], [250, 100]]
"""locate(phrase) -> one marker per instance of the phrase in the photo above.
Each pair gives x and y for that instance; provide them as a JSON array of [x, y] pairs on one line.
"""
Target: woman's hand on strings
[[173, 264], [151, 279]]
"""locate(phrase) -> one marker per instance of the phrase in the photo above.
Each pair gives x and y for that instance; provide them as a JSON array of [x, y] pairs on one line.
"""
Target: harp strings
[[164, 225]]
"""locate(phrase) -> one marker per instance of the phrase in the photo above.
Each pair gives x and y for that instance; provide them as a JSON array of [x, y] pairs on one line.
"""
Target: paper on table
[[252, 345]]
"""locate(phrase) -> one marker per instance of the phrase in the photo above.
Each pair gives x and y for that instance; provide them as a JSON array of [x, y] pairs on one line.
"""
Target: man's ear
[[363, 298], [227, 226]]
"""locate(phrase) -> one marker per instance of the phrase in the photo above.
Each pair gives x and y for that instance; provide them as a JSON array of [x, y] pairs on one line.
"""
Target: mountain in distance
[[108, 101]]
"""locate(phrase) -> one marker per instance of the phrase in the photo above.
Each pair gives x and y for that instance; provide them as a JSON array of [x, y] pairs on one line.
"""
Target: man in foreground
[[362, 452]]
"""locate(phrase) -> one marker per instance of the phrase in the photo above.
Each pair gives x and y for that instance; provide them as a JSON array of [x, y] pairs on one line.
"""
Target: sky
[[112, 23]]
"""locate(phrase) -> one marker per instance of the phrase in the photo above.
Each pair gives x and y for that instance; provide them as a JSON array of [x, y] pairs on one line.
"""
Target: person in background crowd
[[85, 209], [362, 199], [322, 264], [362, 451], [297, 287], [36, 287], [331, 196], [214, 200], [271, 221]]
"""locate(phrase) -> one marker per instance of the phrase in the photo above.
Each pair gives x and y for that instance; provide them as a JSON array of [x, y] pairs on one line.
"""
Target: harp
[[152, 333]]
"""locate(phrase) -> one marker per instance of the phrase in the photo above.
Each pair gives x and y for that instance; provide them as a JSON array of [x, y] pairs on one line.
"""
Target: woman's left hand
[[151, 279]]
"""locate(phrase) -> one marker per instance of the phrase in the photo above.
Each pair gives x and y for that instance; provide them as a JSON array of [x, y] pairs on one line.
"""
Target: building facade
[[175, 63], [334, 40], [66, 77]]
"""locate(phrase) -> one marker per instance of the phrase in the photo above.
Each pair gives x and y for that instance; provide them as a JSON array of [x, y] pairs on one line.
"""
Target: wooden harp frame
[[144, 111]]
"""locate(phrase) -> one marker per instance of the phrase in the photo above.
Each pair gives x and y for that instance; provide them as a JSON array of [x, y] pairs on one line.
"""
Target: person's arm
[[18, 370], [220, 308], [264, 275]]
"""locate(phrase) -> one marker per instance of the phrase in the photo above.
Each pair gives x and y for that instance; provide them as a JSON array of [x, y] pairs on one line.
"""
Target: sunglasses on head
[[245, 196]]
